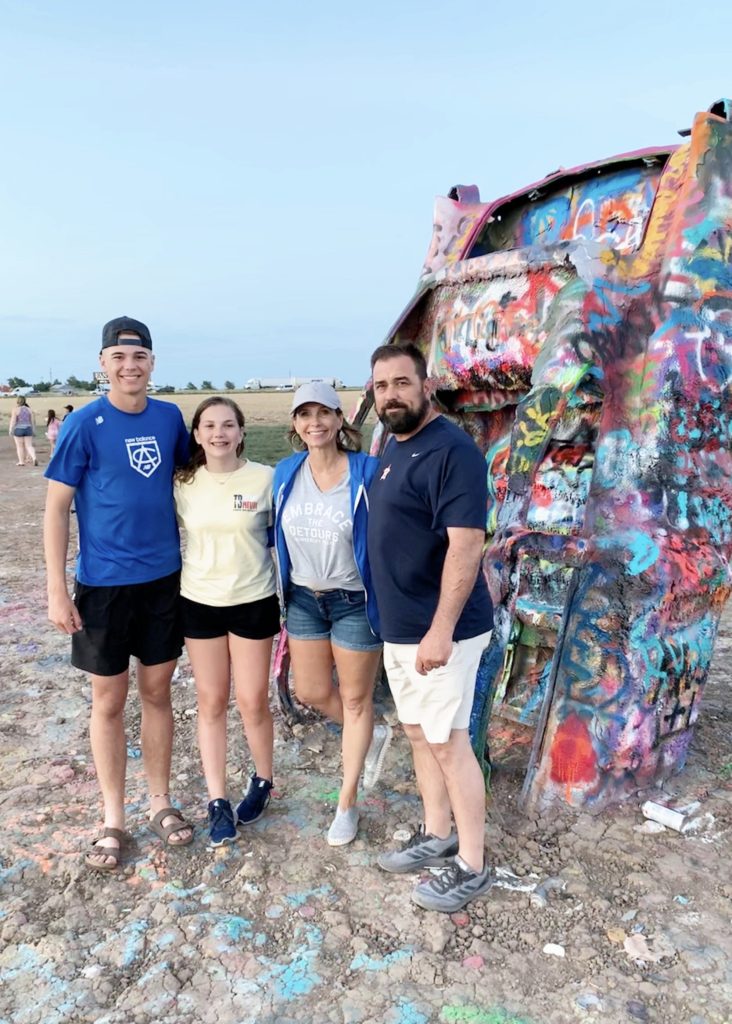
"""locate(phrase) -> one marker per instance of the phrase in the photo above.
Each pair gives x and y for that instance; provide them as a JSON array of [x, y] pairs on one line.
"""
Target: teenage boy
[[115, 460]]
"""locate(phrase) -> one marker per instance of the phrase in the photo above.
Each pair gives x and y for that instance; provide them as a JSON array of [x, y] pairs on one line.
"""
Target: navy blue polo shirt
[[433, 480]]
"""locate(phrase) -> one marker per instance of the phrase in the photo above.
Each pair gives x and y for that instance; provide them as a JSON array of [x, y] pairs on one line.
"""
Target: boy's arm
[[62, 611]]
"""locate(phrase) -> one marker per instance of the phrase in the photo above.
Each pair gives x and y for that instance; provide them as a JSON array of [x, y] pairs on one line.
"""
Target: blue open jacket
[[362, 469]]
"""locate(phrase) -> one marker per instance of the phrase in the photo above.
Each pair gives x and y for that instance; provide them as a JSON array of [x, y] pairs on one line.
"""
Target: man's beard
[[402, 420]]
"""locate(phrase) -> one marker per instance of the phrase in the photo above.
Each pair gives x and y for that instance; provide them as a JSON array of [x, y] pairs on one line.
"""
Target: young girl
[[53, 425], [230, 610]]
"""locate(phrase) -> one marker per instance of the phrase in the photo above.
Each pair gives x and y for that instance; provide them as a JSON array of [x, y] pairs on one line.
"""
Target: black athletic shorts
[[256, 620], [140, 620]]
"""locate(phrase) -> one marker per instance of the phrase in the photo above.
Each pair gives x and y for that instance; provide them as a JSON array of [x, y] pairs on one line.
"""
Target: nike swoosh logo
[[415, 454]]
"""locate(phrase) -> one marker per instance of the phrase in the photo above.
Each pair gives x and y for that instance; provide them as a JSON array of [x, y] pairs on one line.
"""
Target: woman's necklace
[[225, 477]]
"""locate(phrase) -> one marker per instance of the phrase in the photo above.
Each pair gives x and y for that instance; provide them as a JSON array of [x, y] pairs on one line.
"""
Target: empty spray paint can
[[663, 815]]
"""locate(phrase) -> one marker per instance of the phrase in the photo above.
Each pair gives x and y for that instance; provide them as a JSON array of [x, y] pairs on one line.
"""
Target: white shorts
[[443, 699]]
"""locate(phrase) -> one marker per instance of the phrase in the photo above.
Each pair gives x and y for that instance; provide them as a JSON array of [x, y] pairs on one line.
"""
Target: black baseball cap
[[122, 325]]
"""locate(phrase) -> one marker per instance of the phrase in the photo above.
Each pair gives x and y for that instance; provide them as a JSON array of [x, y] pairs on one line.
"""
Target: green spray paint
[[475, 1015]]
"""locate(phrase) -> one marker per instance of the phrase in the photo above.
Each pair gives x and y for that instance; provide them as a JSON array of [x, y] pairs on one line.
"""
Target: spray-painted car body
[[581, 331]]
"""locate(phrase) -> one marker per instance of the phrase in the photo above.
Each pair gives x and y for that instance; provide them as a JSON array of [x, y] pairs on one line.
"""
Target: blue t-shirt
[[121, 465], [423, 485]]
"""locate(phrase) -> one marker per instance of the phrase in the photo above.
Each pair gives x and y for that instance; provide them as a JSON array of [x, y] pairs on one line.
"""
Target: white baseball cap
[[315, 391]]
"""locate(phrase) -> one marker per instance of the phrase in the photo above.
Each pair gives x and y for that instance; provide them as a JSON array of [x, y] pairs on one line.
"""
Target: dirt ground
[[279, 928]]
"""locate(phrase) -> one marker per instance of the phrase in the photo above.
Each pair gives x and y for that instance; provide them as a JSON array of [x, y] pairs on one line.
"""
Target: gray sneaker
[[422, 850], [380, 740], [344, 827], [452, 887]]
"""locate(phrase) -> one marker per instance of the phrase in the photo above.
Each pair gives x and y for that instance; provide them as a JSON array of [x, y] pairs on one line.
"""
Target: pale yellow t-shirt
[[226, 559]]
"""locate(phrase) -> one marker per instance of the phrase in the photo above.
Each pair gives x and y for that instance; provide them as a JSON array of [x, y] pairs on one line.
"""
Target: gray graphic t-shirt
[[319, 534]]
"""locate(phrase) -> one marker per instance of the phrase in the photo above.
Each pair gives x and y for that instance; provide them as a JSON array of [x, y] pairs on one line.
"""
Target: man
[[427, 508], [68, 410], [115, 458]]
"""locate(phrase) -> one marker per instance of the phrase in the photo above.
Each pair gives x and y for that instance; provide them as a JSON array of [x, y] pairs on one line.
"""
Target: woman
[[229, 604], [22, 428], [325, 584], [53, 425]]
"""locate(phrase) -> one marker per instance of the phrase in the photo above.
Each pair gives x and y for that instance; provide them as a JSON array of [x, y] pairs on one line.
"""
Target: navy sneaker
[[221, 827], [255, 801]]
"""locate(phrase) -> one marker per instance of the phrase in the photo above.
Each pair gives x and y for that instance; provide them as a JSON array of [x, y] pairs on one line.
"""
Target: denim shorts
[[335, 615]]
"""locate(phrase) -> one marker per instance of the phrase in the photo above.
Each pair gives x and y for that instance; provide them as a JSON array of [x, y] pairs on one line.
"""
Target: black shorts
[[256, 620], [140, 620]]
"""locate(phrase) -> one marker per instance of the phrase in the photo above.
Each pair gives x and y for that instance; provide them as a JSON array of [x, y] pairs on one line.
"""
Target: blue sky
[[256, 181]]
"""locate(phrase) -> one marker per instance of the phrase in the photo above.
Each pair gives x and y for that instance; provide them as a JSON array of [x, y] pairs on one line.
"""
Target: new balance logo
[[144, 454]]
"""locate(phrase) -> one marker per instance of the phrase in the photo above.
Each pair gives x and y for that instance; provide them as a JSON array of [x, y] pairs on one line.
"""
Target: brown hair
[[50, 417], [197, 458], [348, 438], [21, 400]]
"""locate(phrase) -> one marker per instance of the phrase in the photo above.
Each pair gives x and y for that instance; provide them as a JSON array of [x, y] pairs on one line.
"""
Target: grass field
[[267, 443], [267, 415]]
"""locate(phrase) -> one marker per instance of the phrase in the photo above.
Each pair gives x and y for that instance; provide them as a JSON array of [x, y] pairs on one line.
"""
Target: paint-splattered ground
[[280, 928]]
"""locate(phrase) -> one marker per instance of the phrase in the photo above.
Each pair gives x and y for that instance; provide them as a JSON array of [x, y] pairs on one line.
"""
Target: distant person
[[116, 458], [230, 608], [22, 429], [68, 409], [53, 425], [320, 544], [426, 535]]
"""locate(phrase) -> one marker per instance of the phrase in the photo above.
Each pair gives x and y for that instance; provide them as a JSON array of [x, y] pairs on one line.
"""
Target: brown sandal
[[106, 851], [165, 832]]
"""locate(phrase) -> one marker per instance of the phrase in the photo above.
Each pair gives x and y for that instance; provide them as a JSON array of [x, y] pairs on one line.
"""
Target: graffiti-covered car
[[580, 330]]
